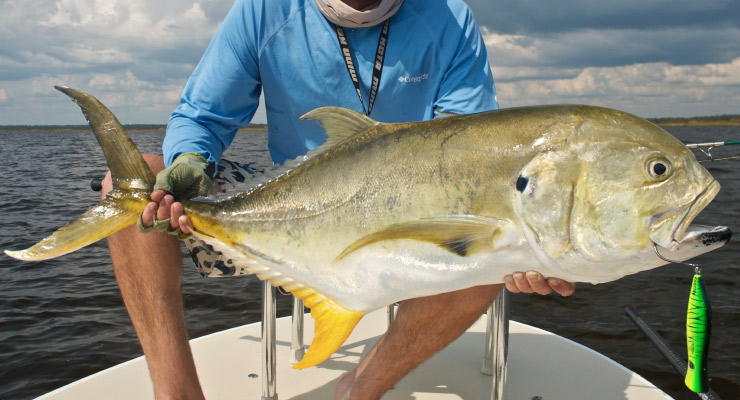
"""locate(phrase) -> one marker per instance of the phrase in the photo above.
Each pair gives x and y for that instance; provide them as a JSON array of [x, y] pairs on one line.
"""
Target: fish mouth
[[706, 235], [677, 222]]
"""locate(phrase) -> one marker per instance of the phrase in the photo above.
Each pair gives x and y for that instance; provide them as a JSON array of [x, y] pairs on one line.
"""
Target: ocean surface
[[63, 319]]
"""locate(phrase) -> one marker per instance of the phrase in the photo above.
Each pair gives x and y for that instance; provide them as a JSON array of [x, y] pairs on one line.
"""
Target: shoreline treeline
[[713, 120]]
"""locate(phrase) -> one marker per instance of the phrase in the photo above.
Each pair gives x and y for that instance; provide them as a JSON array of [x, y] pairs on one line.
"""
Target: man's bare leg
[[148, 269], [428, 324], [422, 327]]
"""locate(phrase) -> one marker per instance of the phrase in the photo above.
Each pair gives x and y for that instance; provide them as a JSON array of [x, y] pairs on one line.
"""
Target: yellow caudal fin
[[127, 166], [109, 216], [132, 183]]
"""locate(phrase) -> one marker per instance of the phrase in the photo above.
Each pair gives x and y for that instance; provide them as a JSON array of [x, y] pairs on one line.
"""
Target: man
[[305, 54]]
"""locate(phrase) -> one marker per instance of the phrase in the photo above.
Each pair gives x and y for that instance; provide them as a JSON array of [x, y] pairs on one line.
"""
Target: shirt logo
[[413, 79]]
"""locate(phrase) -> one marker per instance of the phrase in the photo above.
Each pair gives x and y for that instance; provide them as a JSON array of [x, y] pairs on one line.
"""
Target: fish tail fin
[[132, 183], [332, 326]]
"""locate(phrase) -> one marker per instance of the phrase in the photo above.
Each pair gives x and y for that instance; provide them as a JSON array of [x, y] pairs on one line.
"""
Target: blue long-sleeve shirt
[[435, 61]]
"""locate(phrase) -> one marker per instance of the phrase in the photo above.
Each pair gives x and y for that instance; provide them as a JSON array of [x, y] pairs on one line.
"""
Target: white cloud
[[105, 31], [136, 55], [726, 74], [557, 69], [613, 47], [650, 90]]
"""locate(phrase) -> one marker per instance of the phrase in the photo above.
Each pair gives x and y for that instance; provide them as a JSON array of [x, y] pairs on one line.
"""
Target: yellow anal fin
[[332, 326], [460, 234], [333, 323], [115, 212]]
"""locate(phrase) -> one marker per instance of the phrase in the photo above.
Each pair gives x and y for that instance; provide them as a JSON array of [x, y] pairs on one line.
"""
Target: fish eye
[[658, 168]]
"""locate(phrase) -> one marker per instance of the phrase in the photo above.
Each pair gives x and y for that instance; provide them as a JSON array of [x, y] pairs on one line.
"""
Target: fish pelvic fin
[[332, 326], [460, 234], [340, 124], [132, 183]]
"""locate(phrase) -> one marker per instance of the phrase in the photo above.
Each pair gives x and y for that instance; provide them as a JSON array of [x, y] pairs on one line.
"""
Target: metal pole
[[391, 314], [497, 343], [269, 389], [487, 368], [296, 338]]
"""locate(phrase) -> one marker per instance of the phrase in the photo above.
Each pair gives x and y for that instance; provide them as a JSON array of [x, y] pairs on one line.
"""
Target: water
[[63, 319]]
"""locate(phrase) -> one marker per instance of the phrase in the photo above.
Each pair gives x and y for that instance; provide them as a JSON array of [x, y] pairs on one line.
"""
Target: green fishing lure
[[698, 331]]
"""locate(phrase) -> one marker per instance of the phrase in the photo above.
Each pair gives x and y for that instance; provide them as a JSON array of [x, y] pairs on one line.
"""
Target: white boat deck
[[541, 366]]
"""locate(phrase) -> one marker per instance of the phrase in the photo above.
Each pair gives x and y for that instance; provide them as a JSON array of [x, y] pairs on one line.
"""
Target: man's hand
[[162, 207], [184, 179], [534, 282]]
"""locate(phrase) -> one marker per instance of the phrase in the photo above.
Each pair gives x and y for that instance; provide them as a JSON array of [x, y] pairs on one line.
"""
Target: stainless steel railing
[[269, 385], [497, 343], [494, 359], [297, 349]]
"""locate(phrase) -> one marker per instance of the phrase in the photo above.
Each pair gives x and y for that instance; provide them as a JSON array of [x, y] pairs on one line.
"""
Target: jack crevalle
[[386, 212]]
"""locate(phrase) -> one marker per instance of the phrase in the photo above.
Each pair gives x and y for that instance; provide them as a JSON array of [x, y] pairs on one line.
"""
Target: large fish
[[386, 212]]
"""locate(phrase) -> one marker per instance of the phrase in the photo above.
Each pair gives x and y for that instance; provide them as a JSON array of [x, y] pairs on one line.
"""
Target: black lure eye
[[658, 168]]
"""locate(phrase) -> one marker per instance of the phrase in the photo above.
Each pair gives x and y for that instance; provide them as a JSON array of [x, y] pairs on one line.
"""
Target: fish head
[[610, 191]]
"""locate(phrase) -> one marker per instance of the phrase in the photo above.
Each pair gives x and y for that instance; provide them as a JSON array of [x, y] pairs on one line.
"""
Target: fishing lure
[[698, 331]]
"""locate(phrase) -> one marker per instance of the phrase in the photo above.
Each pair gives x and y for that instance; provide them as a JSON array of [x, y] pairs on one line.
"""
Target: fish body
[[389, 176], [386, 212]]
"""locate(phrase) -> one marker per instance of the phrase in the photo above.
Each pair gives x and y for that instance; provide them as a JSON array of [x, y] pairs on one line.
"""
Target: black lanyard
[[377, 69]]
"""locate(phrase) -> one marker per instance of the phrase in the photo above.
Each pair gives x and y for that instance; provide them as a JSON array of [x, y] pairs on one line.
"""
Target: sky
[[653, 58]]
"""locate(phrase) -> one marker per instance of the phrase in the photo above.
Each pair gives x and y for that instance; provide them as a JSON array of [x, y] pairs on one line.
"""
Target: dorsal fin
[[340, 124], [444, 114]]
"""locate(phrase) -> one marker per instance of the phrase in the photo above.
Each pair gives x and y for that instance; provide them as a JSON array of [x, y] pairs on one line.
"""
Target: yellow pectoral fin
[[460, 234], [332, 326]]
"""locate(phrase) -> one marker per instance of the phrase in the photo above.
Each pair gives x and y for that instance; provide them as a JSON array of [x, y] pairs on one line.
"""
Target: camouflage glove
[[185, 179]]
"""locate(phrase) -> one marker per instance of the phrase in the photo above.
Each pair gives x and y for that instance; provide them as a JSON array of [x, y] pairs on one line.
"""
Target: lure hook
[[697, 267]]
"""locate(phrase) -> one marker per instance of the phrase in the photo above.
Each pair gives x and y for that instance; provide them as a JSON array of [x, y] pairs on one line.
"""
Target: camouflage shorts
[[209, 262]]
